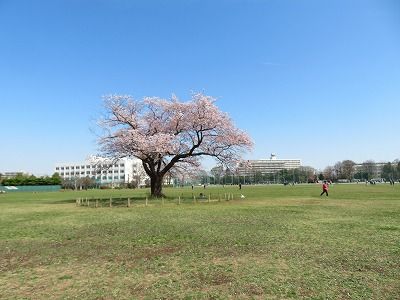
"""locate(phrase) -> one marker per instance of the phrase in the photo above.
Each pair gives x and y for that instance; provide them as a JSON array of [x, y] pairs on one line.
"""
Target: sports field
[[279, 242]]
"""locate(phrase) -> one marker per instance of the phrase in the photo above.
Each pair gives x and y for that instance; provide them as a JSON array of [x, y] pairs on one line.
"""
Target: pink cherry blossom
[[169, 135]]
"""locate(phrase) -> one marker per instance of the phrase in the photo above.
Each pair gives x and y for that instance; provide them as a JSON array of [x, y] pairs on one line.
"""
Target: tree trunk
[[156, 186]]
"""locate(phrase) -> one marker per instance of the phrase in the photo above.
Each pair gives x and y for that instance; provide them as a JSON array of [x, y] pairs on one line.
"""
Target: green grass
[[280, 242]]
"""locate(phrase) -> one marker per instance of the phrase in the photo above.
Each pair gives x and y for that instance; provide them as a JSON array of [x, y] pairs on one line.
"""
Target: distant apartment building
[[268, 166], [375, 168], [104, 171]]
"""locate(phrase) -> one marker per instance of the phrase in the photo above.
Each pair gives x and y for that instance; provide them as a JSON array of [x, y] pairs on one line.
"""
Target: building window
[[57, 168], [62, 168], [62, 174], [88, 167], [121, 165], [77, 167], [67, 173], [66, 168], [122, 177], [72, 168]]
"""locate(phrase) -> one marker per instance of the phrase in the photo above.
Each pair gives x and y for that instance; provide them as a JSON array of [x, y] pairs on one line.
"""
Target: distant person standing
[[324, 188], [240, 186]]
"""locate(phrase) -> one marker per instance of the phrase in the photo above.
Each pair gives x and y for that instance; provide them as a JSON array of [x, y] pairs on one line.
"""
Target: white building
[[104, 171], [268, 166]]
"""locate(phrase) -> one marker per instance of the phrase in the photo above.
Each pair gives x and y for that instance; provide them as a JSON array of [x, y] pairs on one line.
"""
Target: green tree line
[[22, 179], [349, 170], [219, 176]]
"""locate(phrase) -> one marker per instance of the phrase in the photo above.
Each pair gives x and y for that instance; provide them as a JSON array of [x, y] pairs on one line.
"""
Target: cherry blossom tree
[[168, 135]]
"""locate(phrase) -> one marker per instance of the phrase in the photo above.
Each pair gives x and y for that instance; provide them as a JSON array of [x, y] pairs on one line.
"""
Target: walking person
[[324, 188]]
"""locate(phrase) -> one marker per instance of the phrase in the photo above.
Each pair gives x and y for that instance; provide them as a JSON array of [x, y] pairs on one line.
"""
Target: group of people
[[325, 187]]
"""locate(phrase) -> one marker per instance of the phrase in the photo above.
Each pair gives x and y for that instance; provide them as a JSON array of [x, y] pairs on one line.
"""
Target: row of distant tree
[[218, 175], [87, 182], [349, 170], [342, 170], [79, 183], [22, 179]]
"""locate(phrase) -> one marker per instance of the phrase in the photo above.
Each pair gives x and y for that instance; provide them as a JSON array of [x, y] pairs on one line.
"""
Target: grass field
[[280, 242]]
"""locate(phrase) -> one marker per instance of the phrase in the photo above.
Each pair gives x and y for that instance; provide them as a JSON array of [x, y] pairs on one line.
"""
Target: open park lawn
[[280, 242]]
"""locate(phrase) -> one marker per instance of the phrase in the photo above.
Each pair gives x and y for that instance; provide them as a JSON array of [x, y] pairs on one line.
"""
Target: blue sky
[[315, 80]]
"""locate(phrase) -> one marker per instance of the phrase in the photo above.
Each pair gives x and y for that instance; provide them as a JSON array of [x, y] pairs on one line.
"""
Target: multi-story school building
[[103, 171]]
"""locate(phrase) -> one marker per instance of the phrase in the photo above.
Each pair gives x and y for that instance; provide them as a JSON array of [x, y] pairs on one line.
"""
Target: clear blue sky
[[315, 80]]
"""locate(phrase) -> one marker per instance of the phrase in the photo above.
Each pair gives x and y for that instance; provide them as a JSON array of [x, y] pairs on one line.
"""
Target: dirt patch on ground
[[155, 252], [63, 281]]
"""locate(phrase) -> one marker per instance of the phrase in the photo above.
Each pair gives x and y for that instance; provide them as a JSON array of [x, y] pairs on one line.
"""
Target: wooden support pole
[[129, 202], [179, 200], [146, 200], [209, 198], [110, 202]]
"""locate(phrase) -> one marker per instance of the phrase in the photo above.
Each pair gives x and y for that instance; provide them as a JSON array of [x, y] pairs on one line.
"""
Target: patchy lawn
[[280, 242]]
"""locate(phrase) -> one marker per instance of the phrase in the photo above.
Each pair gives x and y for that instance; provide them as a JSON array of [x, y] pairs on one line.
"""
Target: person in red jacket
[[324, 188]]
